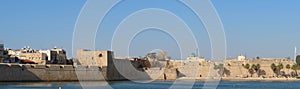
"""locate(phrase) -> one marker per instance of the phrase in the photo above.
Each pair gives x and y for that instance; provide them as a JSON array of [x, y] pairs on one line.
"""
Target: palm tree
[[295, 67], [274, 68], [279, 68], [256, 68], [247, 66], [251, 71], [253, 67], [298, 59], [219, 67], [288, 67]]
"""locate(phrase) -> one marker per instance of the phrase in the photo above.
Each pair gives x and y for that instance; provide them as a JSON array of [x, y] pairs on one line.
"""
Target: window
[[100, 55]]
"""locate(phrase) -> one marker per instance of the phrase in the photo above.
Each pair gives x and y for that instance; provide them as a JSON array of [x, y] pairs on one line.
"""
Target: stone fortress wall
[[113, 69], [236, 67], [33, 72], [191, 68], [233, 68]]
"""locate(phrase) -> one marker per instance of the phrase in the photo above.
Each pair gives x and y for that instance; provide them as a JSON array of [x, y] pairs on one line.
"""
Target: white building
[[55, 56], [241, 58]]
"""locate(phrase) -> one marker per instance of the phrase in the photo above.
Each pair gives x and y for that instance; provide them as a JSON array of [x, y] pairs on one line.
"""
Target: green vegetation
[[220, 66], [295, 68], [255, 68], [222, 70], [288, 66], [257, 57], [247, 66], [277, 69], [298, 60]]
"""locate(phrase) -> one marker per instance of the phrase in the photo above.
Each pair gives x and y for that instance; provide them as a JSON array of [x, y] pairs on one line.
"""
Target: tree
[[288, 66], [256, 68], [257, 57], [219, 67], [273, 67], [279, 68], [247, 66], [276, 69], [251, 71], [298, 59], [295, 68]]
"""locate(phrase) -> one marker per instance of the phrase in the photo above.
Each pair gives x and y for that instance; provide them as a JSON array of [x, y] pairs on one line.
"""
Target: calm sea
[[153, 85]]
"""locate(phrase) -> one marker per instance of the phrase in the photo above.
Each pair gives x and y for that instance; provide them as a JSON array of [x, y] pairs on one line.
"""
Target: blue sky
[[265, 28]]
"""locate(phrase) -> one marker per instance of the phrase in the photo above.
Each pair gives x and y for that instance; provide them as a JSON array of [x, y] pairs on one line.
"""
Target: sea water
[[152, 85]]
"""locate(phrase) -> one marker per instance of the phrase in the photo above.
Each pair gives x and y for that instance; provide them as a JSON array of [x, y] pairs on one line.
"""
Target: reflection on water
[[40, 85], [153, 85]]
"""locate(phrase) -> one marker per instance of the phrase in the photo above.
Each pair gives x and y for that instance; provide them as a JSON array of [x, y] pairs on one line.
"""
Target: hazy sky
[[265, 28]]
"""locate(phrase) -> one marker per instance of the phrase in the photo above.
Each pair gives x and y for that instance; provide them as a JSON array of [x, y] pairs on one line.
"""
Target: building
[[36, 58], [94, 58], [198, 59], [52, 56], [241, 58], [55, 56], [1, 52]]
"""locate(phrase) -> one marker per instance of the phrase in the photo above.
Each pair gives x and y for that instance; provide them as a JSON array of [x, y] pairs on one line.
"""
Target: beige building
[[94, 58], [55, 56], [38, 58], [195, 59], [52, 56]]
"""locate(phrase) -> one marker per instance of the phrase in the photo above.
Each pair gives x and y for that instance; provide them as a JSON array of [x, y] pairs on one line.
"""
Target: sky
[[264, 28]]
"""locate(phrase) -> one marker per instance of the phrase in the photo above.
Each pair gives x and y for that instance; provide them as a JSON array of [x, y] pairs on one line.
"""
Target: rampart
[[28, 72]]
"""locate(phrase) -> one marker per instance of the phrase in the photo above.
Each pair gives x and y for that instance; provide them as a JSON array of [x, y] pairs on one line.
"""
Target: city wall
[[122, 69], [233, 68], [20, 72]]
